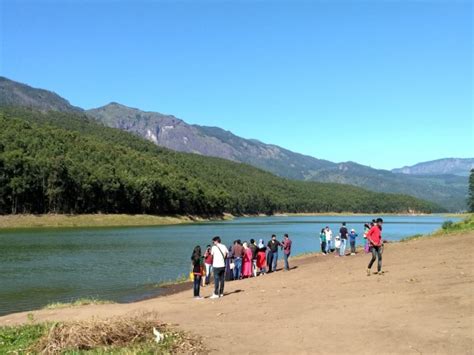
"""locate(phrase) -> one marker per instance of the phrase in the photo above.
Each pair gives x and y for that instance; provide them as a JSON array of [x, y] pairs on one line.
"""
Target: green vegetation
[[112, 336], [76, 303], [179, 280], [470, 201], [466, 224], [67, 163], [21, 221], [448, 227], [19, 339]]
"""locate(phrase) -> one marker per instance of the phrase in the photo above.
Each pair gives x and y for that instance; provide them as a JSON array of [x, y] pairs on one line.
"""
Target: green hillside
[[68, 163]]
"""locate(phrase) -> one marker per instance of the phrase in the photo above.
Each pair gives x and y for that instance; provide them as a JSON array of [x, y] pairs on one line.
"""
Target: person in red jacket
[[374, 236]]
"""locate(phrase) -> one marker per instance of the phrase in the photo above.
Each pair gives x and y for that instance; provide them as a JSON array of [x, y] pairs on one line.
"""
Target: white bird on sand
[[159, 336]]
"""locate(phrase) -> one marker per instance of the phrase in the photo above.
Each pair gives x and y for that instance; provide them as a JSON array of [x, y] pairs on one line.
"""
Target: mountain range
[[455, 166], [443, 181]]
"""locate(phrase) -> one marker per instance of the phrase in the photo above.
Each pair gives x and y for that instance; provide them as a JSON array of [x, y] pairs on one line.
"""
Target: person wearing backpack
[[219, 254], [198, 268]]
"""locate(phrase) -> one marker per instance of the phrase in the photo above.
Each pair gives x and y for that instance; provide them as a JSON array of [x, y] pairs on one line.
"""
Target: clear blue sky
[[383, 83]]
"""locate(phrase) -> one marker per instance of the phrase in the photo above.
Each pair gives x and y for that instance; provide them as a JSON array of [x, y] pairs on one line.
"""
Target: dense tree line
[[68, 163], [470, 201]]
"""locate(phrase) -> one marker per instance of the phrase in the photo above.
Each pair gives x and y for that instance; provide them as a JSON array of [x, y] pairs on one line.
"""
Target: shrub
[[447, 225]]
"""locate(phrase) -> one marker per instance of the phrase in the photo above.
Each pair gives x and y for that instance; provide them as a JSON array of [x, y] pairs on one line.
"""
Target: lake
[[38, 267]]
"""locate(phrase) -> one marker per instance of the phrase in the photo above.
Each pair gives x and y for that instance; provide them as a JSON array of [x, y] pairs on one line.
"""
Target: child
[[352, 239], [337, 244], [322, 239], [198, 266], [367, 245], [261, 257], [208, 264]]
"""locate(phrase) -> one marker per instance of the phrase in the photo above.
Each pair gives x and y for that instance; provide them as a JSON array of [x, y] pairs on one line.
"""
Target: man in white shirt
[[328, 233], [219, 255]]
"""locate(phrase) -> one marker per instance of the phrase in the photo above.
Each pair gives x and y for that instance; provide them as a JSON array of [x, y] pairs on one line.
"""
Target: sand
[[423, 304]]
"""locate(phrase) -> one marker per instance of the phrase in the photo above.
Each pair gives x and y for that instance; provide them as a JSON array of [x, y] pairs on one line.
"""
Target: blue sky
[[383, 83]]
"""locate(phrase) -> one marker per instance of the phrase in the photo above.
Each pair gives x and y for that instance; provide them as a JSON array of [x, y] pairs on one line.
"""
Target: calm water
[[125, 264]]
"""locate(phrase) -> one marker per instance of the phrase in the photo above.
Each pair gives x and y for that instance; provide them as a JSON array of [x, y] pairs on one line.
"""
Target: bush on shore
[[117, 335]]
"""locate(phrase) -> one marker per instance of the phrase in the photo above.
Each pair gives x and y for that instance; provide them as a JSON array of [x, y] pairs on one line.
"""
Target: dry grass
[[120, 334], [76, 303], [91, 220]]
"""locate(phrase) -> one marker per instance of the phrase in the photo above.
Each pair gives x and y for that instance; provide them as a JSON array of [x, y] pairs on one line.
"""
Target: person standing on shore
[[322, 240], [343, 233], [329, 245], [246, 261], [374, 236], [237, 254], [272, 261], [219, 254], [198, 266], [208, 264], [286, 247], [367, 244], [352, 239], [337, 245], [254, 248], [261, 257]]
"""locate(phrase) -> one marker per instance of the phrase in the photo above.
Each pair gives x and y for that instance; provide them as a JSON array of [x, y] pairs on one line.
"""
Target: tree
[[470, 201]]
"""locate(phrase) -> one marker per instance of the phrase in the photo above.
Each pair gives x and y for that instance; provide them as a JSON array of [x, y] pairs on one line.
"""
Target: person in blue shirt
[[352, 239]]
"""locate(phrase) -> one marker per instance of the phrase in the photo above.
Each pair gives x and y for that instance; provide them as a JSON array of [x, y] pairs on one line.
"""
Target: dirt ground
[[423, 304]]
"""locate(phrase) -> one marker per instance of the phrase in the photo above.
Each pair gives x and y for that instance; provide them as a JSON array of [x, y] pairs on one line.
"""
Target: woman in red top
[[208, 263], [261, 257], [374, 237]]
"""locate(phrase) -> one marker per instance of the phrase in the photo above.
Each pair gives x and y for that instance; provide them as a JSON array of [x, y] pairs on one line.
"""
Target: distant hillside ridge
[[168, 131], [454, 166], [69, 163], [13, 93]]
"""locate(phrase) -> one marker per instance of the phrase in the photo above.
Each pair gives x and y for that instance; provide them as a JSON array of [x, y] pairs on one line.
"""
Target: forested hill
[[68, 163], [447, 190]]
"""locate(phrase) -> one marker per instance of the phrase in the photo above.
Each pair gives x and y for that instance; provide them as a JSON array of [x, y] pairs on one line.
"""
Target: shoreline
[[171, 288], [179, 285], [66, 221], [421, 301]]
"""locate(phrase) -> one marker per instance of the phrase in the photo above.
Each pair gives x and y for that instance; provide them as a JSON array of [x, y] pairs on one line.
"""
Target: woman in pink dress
[[247, 261]]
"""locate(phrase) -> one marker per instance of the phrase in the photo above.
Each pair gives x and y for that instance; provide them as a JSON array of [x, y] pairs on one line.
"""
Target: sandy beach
[[423, 304]]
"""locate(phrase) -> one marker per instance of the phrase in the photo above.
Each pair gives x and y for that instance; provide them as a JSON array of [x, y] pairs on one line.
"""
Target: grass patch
[[467, 224], [448, 227], [179, 280], [29, 221], [412, 237], [76, 303], [131, 335], [18, 340]]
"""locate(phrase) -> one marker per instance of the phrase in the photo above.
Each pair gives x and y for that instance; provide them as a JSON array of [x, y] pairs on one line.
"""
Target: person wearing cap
[[352, 239], [374, 236]]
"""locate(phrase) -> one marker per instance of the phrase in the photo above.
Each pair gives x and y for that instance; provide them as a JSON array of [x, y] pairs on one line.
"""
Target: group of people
[[250, 259], [339, 244], [239, 261], [372, 242]]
